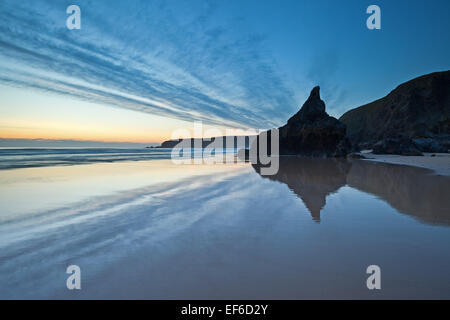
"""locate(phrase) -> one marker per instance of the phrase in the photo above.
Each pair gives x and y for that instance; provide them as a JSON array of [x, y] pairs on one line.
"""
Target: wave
[[13, 158]]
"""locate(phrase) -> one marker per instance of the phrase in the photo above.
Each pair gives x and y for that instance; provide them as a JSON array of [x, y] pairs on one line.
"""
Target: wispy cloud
[[323, 70], [174, 59]]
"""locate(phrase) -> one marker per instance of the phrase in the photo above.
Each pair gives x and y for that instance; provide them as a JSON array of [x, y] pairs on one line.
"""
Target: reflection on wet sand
[[410, 190], [312, 179]]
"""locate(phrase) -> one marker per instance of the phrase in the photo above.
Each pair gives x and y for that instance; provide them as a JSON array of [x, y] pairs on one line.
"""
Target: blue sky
[[138, 69]]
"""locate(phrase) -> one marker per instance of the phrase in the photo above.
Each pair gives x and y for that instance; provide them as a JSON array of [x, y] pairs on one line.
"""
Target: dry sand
[[439, 163]]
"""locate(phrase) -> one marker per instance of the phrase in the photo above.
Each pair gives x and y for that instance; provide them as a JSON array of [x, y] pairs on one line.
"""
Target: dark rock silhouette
[[227, 142], [419, 108], [400, 146], [312, 132], [431, 145], [312, 109]]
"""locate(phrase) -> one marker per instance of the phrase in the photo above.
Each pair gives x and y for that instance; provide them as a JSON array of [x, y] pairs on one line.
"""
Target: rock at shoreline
[[403, 147], [430, 145], [355, 155], [312, 132]]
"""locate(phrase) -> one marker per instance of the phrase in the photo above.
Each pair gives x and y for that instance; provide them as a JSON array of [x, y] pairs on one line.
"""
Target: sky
[[138, 70]]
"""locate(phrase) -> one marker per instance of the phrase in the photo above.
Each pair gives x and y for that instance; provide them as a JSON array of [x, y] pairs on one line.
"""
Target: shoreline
[[439, 164]]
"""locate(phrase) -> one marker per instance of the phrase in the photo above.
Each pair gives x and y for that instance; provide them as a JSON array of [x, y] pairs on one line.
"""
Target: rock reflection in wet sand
[[412, 191]]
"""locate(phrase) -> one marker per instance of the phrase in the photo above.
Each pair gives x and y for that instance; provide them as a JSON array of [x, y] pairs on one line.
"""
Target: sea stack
[[312, 132]]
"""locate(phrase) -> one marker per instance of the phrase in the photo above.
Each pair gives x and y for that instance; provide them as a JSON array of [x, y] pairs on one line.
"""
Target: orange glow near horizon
[[130, 137], [29, 114], [82, 135], [66, 130]]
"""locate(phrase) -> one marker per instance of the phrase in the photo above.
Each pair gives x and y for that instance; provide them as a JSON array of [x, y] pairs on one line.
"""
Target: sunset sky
[[138, 70]]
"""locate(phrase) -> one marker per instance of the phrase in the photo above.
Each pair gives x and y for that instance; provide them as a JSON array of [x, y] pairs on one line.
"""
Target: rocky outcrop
[[404, 147], [227, 142], [431, 145], [312, 132], [417, 109]]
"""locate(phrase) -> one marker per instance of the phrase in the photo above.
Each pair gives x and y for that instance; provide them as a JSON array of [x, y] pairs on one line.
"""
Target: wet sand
[[155, 230]]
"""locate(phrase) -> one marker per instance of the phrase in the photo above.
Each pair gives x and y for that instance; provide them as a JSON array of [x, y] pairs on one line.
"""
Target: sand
[[440, 163]]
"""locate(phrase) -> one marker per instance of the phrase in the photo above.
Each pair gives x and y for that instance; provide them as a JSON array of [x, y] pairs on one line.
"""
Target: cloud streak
[[176, 60]]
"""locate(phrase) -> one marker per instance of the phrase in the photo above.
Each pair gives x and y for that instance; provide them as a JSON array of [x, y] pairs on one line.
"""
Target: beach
[[151, 229], [213, 152], [439, 163]]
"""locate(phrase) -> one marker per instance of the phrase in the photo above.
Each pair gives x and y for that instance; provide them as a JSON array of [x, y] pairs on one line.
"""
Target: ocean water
[[12, 158], [142, 227]]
